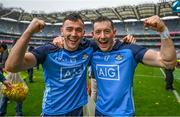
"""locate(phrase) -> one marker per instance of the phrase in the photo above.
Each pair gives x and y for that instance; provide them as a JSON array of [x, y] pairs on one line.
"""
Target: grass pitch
[[150, 96]]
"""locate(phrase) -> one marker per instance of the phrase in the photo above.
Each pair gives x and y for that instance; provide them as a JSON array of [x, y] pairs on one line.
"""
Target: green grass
[[150, 96], [32, 104]]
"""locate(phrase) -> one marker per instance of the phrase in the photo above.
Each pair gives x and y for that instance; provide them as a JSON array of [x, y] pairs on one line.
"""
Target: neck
[[70, 49], [114, 41]]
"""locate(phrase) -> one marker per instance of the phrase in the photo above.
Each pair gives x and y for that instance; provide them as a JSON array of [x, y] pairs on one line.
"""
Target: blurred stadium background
[[150, 95]]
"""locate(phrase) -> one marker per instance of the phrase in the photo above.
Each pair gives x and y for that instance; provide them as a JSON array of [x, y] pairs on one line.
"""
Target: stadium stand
[[13, 22]]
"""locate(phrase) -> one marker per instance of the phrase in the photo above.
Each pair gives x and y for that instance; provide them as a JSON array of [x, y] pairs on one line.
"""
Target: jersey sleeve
[[41, 52], [138, 52]]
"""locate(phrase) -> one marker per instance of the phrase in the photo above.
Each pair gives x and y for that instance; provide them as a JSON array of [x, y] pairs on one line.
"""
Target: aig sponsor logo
[[108, 72], [67, 73]]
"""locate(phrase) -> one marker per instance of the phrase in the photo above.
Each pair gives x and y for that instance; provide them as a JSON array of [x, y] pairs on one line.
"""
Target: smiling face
[[73, 32], [104, 34]]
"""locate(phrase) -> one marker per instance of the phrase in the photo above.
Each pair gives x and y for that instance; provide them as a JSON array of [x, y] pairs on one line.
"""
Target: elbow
[[170, 65]]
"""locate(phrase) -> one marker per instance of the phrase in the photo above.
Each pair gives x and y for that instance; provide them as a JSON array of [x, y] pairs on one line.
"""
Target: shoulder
[[133, 47], [41, 52], [137, 50], [47, 48]]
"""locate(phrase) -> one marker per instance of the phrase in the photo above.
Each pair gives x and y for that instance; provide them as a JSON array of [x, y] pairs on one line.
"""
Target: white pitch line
[[148, 76], [163, 72], [174, 91], [177, 95], [154, 76]]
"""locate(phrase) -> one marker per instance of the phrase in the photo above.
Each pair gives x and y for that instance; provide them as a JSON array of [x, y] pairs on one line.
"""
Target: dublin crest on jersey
[[119, 57], [84, 56]]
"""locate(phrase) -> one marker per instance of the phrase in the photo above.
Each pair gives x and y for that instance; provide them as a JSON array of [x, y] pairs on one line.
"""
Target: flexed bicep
[[29, 61], [153, 58]]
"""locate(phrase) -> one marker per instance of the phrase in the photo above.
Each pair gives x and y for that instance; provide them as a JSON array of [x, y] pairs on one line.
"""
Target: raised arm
[[166, 57], [18, 59]]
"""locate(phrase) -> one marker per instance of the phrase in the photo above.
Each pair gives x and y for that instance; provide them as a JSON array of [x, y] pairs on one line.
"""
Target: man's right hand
[[35, 26], [59, 41], [8, 84]]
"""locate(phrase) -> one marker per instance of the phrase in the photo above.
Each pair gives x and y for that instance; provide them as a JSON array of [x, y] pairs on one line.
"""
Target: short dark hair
[[102, 19], [73, 17], [3, 45]]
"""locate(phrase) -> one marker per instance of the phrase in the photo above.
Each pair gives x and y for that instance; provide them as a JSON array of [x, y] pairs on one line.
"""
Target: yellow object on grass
[[17, 93]]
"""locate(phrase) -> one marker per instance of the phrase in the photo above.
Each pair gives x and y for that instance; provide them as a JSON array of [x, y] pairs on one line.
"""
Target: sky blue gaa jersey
[[65, 78], [114, 74]]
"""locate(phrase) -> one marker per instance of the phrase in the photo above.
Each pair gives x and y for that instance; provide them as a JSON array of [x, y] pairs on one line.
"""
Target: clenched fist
[[36, 25], [155, 23]]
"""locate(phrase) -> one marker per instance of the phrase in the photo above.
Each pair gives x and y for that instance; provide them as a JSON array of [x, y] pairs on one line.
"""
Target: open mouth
[[73, 40], [103, 41]]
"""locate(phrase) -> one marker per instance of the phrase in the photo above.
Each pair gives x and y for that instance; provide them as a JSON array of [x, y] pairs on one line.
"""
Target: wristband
[[165, 34]]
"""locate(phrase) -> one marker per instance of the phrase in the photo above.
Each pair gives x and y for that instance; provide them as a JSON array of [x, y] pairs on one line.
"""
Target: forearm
[[16, 56], [168, 53], [19, 60], [166, 57]]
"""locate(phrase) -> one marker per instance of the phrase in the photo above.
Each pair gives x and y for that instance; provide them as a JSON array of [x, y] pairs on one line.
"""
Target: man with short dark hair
[[64, 69], [114, 64]]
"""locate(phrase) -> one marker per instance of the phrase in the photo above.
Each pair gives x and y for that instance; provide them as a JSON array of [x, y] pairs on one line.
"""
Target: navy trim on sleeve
[[137, 50], [41, 52]]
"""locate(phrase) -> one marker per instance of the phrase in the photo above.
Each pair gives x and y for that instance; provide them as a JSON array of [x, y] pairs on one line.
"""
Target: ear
[[92, 34], [114, 32]]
